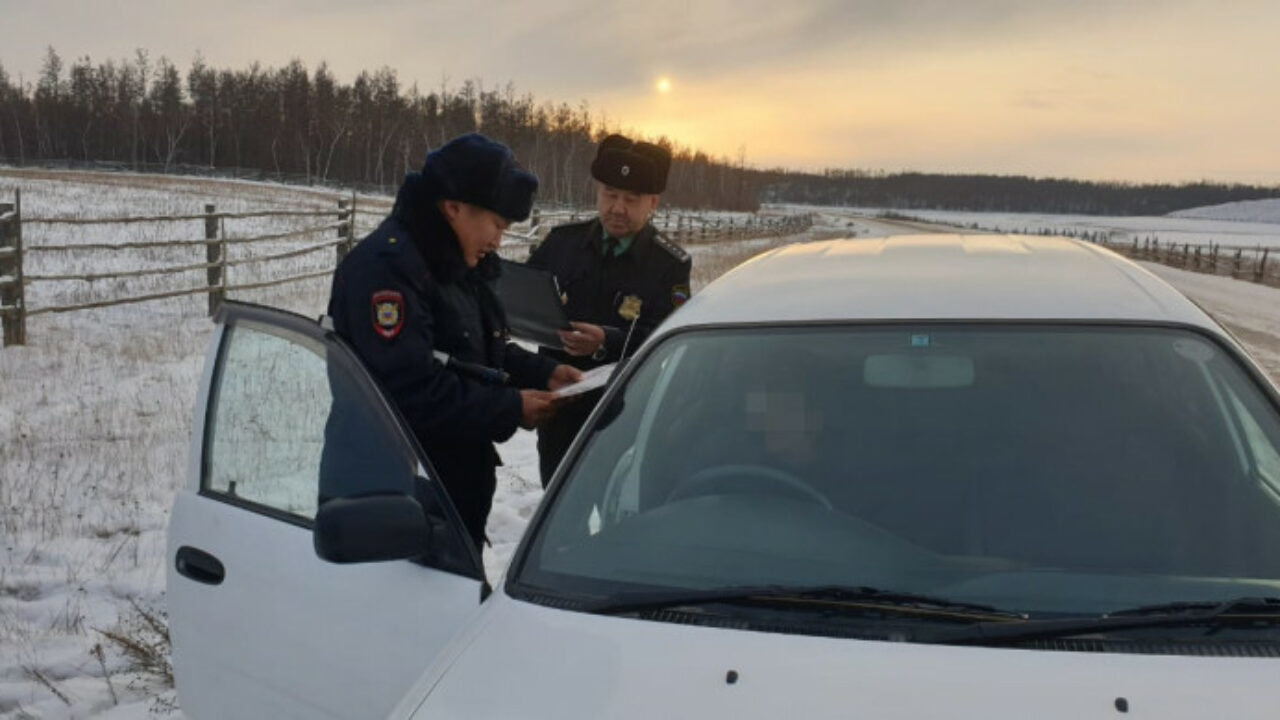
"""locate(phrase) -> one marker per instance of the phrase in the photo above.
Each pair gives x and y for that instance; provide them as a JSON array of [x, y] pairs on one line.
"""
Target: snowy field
[[95, 411], [1258, 224]]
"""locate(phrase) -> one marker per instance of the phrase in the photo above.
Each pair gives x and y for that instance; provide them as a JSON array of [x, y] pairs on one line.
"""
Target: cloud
[[613, 42], [1068, 87]]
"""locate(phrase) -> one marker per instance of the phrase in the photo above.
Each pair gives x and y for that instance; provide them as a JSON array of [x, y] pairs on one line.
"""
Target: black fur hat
[[636, 166], [476, 170]]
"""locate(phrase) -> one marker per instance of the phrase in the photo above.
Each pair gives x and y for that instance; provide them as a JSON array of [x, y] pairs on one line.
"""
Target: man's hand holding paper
[[591, 379]]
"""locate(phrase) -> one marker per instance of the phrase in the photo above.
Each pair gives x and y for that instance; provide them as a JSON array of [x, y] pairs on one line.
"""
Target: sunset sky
[[1138, 90]]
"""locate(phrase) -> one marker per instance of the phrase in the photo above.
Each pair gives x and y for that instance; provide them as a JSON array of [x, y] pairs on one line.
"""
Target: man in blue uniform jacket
[[620, 277], [419, 286]]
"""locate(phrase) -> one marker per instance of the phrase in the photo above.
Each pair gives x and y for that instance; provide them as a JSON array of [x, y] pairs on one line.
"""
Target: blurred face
[[789, 430], [623, 212], [479, 230]]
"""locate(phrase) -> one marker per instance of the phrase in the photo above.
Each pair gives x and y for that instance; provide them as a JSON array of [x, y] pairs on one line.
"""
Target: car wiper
[[1236, 607], [820, 597], [1238, 611]]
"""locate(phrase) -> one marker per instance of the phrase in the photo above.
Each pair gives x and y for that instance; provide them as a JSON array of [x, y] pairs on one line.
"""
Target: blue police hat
[[476, 170]]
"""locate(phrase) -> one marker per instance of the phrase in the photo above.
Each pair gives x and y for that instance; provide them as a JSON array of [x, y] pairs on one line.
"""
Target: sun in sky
[[663, 85]]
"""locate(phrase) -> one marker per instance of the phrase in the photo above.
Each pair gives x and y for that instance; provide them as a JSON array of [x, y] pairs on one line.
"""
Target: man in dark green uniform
[[619, 277]]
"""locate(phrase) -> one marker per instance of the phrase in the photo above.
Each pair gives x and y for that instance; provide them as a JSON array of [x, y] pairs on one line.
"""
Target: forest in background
[[295, 125], [292, 124], [998, 193]]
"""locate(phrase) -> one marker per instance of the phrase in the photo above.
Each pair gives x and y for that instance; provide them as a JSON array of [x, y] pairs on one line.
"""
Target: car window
[[998, 464], [1260, 433], [286, 414]]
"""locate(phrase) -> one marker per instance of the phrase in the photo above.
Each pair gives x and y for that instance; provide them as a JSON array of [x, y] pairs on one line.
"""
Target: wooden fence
[[692, 228], [14, 309], [214, 260], [1253, 263]]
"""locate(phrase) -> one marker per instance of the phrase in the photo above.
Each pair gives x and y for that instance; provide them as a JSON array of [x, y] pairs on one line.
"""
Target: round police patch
[[388, 313], [679, 294]]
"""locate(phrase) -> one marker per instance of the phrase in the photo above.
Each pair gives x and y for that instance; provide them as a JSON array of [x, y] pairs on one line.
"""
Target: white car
[[934, 476]]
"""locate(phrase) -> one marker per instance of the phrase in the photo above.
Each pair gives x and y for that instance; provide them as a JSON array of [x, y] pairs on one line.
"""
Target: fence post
[[214, 252], [13, 319], [344, 232], [351, 224], [1262, 265]]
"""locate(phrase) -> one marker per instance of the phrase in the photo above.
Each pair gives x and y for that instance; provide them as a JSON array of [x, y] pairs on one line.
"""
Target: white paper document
[[591, 379]]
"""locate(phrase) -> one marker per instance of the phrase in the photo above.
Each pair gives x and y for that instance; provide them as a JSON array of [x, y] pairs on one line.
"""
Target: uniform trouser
[[472, 496], [556, 435]]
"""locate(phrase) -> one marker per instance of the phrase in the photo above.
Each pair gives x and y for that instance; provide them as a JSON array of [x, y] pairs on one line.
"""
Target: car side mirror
[[370, 529]]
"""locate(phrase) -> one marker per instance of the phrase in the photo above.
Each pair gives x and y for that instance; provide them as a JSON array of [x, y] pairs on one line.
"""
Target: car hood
[[525, 660]]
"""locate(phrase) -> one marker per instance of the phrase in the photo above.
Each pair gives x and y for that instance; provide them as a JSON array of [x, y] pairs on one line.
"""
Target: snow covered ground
[[1261, 211], [1258, 224], [94, 418]]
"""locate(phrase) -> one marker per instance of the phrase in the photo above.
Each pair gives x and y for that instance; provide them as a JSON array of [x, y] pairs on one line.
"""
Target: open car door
[[261, 626]]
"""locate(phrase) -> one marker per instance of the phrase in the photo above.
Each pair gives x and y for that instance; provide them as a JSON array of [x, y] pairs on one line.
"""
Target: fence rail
[[215, 262], [173, 218]]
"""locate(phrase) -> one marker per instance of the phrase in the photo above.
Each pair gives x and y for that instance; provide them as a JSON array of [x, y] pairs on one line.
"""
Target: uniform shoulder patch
[[671, 247], [388, 313], [679, 295]]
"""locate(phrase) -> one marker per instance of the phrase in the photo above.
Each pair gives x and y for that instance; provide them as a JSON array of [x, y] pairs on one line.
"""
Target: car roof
[[939, 277]]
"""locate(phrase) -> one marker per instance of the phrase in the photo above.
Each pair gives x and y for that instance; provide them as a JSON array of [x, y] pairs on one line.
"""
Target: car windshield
[[1051, 469]]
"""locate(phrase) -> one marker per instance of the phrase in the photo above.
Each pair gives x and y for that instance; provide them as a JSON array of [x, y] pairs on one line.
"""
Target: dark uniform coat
[[405, 291], [651, 278]]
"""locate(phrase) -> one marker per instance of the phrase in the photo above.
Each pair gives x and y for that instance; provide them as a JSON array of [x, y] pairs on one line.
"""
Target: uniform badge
[[679, 294], [626, 170], [629, 309], [388, 313]]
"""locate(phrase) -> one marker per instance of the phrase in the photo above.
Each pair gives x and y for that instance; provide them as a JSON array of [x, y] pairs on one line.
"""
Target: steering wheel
[[728, 479]]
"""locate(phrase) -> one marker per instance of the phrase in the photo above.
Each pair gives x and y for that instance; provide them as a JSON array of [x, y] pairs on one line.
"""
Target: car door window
[[290, 422]]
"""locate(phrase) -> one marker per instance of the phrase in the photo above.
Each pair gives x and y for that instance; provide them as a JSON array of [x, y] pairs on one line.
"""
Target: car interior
[[1116, 461]]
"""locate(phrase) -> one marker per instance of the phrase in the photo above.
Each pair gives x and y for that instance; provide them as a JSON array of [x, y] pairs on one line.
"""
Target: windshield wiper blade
[[1244, 610], [1213, 608], [832, 597]]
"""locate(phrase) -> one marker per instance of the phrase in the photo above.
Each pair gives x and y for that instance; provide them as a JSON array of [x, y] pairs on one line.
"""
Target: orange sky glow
[[1145, 90]]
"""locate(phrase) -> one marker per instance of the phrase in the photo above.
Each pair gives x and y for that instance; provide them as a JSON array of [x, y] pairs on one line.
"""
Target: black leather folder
[[532, 302]]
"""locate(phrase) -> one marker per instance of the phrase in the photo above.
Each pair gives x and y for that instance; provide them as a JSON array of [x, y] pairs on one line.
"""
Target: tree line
[[999, 193], [292, 123]]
